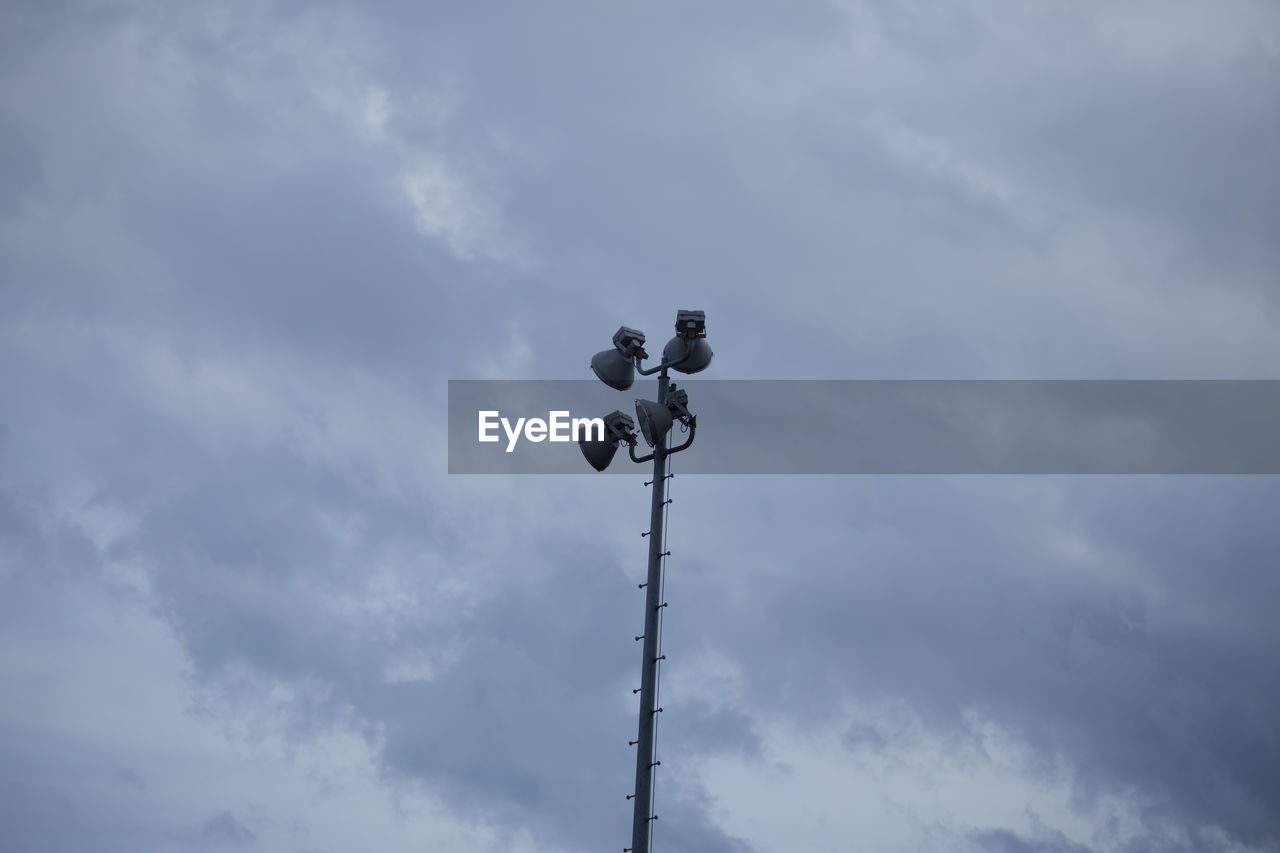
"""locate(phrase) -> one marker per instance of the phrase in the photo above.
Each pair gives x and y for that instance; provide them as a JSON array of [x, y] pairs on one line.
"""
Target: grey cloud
[[39, 547], [1154, 663], [224, 828], [1004, 841], [224, 341]]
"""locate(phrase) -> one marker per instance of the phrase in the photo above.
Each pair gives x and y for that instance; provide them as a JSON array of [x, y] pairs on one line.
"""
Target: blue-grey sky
[[243, 247]]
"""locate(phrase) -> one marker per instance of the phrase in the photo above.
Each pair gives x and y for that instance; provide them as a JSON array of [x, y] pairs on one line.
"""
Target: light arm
[[693, 428], [688, 351]]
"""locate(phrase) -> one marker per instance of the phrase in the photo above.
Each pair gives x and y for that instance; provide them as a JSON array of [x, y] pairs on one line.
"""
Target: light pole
[[687, 352]]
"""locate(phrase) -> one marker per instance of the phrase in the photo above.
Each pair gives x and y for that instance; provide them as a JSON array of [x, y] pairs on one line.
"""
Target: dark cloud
[[1144, 666], [1004, 841], [242, 250]]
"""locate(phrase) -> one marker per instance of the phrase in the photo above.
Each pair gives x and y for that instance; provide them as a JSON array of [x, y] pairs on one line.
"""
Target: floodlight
[[687, 356], [618, 428], [616, 367], [656, 418], [688, 351], [655, 421]]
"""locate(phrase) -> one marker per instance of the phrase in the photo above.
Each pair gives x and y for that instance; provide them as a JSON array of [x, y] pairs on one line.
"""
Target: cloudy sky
[[244, 246]]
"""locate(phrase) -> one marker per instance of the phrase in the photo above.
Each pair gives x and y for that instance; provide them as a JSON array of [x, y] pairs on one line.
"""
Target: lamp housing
[[678, 404], [691, 324], [616, 367], [618, 428], [688, 351], [687, 355], [630, 342], [656, 419]]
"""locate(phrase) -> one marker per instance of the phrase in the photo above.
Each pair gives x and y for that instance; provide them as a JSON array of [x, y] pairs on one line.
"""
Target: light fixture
[[688, 351], [687, 356], [655, 421], [618, 428], [656, 418], [616, 367]]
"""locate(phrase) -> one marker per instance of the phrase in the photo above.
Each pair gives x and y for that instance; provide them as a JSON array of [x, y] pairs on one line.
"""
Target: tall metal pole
[[649, 661]]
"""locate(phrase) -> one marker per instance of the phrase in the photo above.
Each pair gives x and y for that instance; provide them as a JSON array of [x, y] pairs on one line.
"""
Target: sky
[[245, 246]]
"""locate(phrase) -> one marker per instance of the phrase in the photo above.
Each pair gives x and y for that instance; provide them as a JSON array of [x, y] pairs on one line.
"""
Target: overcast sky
[[244, 246]]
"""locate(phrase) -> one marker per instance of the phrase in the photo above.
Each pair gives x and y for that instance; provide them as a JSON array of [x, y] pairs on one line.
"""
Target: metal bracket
[[693, 428], [631, 449]]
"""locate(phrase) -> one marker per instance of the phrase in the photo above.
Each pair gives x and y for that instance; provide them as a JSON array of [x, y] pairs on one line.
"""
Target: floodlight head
[[618, 428], [616, 367], [686, 355], [688, 351], [655, 421]]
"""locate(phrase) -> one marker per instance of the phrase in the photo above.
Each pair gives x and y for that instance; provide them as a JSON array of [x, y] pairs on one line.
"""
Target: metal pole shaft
[[649, 662]]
